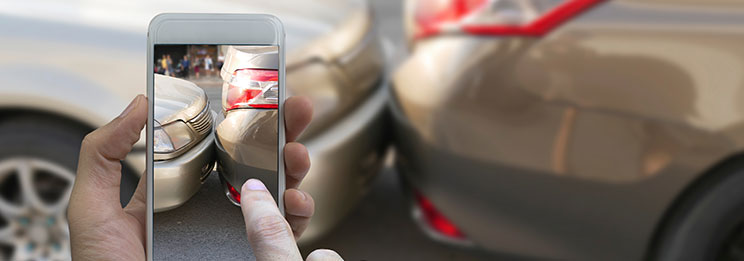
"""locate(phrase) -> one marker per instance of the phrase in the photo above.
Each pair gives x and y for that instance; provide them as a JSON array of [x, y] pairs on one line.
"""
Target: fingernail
[[130, 107], [254, 184], [304, 197]]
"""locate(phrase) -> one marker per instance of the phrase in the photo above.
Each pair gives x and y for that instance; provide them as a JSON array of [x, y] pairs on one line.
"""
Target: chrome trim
[[202, 123]]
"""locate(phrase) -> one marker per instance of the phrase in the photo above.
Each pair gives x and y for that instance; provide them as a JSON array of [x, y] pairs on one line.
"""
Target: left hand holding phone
[[100, 229]]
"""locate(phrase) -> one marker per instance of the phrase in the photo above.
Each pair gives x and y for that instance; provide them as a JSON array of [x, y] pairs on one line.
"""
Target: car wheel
[[708, 222], [38, 158]]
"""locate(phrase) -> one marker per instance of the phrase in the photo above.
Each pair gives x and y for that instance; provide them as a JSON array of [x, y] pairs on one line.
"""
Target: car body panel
[[177, 99], [178, 179], [241, 57], [338, 73], [58, 91], [345, 159], [570, 146], [178, 174], [248, 138], [247, 144]]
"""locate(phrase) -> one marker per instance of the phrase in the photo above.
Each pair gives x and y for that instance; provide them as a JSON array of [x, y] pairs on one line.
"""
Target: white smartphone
[[215, 84]]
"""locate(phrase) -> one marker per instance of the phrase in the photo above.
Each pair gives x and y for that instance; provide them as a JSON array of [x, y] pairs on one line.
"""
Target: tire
[[48, 147], [41, 137], [45, 150], [708, 222], [54, 139]]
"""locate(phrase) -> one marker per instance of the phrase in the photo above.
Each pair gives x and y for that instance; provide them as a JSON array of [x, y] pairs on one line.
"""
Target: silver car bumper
[[176, 180]]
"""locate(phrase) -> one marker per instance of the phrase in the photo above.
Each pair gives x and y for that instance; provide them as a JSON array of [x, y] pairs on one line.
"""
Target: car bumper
[[344, 158], [521, 172], [247, 147], [176, 180]]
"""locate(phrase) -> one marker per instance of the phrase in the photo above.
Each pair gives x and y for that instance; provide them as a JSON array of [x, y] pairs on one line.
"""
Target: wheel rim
[[34, 194]]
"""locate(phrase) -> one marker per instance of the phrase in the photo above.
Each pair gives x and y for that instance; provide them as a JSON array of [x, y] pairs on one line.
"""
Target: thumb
[[268, 232], [99, 168], [324, 255]]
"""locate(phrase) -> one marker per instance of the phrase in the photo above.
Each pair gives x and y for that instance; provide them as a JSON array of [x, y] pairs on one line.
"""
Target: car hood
[[177, 99]]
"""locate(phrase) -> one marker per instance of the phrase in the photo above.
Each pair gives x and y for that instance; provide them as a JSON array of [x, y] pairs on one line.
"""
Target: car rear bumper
[[176, 180], [344, 158], [521, 172], [246, 145]]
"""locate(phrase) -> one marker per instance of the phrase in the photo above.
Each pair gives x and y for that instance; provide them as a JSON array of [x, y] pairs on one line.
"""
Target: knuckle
[[256, 196], [308, 197], [270, 227], [89, 140], [133, 135]]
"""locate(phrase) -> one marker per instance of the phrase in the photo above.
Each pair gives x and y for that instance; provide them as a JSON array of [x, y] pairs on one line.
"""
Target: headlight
[[171, 137], [162, 143]]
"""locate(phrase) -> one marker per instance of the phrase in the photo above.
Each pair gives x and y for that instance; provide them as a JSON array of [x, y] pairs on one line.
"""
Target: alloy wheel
[[34, 194]]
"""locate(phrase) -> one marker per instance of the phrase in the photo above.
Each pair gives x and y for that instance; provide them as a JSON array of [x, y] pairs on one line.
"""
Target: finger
[[268, 233], [296, 162], [323, 255], [299, 206], [298, 111], [137, 205], [99, 168]]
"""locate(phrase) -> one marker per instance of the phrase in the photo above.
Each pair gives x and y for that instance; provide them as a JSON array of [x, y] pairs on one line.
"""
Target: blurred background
[[443, 129]]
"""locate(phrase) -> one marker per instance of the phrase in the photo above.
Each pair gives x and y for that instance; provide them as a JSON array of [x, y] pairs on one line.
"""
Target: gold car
[[577, 129], [183, 141]]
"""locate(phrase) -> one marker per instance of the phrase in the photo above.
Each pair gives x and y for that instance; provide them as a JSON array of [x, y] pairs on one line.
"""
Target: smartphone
[[215, 84]]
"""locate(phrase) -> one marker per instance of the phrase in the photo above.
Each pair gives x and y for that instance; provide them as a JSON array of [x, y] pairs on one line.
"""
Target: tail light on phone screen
[[253, 88], [234, 194], [494, 17], [436, 220]]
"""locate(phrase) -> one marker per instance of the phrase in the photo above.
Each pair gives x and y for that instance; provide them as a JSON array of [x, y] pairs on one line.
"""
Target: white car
[[68, 67]]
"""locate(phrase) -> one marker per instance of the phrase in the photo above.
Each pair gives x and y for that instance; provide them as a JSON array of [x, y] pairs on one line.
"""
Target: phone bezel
[[221, 29]]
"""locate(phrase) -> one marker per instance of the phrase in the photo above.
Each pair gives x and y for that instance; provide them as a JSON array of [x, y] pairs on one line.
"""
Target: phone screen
[[216, 123]]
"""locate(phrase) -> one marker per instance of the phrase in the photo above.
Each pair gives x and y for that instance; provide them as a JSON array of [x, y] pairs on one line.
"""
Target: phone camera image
[[215, 125]]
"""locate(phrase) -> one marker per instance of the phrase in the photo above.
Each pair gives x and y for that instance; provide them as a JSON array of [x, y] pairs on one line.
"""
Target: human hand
[[101, 229], [269, 234]]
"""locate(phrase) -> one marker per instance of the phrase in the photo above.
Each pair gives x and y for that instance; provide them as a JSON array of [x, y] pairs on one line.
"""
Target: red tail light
[[436, 220], [494, 17], [253, 88], [234, 194]]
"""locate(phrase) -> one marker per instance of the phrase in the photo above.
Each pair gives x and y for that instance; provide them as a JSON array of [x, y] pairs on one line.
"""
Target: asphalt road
[[208, 227], [381, 228]]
